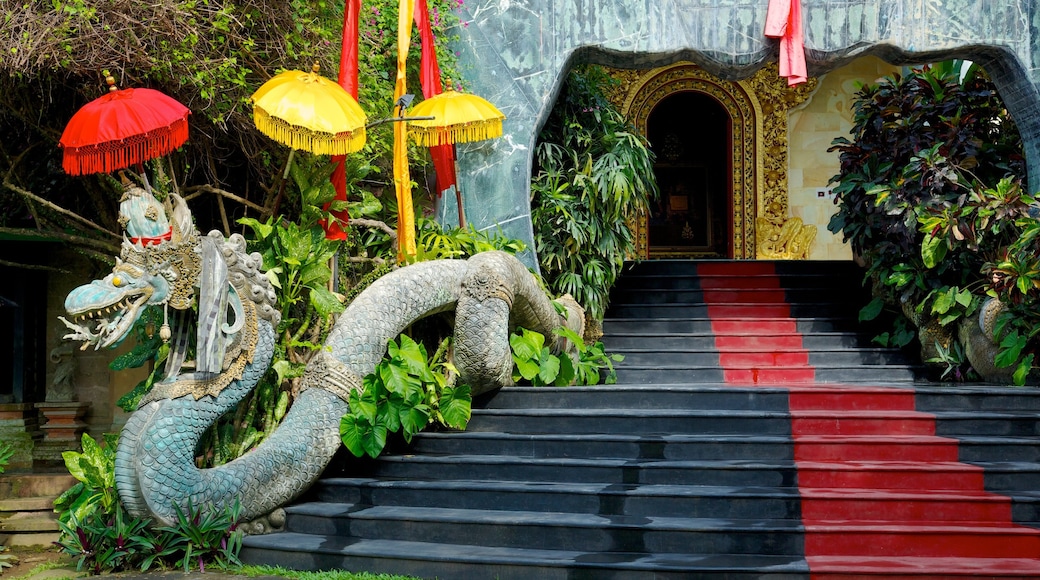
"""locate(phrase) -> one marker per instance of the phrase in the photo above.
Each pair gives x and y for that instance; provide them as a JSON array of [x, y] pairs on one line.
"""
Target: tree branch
[[197, 190]]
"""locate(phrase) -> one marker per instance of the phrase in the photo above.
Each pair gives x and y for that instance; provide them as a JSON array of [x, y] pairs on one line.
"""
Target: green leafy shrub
[[6, 453], [593, 171], [95, 492], [406, 392], [114, 542], [105, 542], [929, 193], [201, 536], [435, 243], [533, 361]]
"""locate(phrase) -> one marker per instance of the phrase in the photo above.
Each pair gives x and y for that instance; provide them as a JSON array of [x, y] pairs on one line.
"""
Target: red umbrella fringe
[[318, 142], [464, 133], [113, 155]]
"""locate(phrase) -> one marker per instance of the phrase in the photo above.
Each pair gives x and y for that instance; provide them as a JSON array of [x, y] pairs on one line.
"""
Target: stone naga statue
[[165, 263]]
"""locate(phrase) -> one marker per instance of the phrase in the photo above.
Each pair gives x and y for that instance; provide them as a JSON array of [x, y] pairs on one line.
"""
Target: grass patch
[[250, 570]]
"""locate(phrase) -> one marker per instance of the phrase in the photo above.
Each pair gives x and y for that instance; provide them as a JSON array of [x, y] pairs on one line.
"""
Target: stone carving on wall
[[758, 108]]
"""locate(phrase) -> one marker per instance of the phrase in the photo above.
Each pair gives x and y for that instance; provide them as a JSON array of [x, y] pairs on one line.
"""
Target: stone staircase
[[756, 433], [27, 516]]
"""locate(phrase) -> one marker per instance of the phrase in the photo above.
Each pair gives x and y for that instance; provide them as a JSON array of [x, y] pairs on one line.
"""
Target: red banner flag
[[348, 79], [443, 156]]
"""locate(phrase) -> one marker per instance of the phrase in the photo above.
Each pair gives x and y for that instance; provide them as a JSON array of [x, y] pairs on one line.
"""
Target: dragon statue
[[210, 287]]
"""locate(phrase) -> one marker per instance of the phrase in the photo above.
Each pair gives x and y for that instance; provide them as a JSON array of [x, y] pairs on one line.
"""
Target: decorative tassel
[[164, 331], [465, 133], [317, 142], [109, 156]]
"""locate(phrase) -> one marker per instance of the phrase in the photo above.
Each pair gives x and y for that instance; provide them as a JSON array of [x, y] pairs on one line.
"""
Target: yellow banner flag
[[402, 179]]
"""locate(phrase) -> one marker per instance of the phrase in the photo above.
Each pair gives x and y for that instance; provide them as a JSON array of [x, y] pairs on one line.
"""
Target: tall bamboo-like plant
[[593, 172]]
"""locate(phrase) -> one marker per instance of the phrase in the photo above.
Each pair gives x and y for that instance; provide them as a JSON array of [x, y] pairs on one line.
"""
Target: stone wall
[[811, 128], [516, 53]]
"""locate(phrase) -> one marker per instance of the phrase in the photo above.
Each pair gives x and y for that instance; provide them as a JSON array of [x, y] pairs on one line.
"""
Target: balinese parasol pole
[[348, 79], [443, 156], [402, 180]]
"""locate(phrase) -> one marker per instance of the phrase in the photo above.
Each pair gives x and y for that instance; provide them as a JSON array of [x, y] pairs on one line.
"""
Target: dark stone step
[[622, 396], [977, 398], [1010, 475], [991, 423], [691, 325], [548, 530], [618, 499], [584, 470], [878, 374], [433, 560], [670, 446], [842, 270], [664, 421], [640, 375], [653, 282], [732, 310], [981, 448], [812, 296], [617, 342], [778, 357]]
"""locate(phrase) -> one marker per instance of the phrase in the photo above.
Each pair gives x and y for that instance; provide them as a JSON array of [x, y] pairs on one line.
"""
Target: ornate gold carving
[[758, 109], [783, 238], [775, 99]]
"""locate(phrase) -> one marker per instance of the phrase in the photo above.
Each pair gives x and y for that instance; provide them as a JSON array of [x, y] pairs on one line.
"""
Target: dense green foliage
[[407, 391], [930, 197], [533, 360], [98, 533], [115, 541], [593, 172], [210, 56], [94, 469]]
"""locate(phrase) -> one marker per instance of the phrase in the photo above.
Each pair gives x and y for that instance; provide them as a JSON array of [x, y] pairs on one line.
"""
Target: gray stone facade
[[516, 53]]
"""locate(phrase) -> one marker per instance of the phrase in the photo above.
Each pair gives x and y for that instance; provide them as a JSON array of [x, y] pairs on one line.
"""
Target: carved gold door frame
[[757, 107]]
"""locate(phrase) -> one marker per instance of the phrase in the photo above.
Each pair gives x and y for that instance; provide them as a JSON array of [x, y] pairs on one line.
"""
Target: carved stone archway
[[758, 108]]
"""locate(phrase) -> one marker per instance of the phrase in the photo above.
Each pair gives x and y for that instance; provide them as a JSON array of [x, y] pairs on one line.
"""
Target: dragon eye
[[117, 281]]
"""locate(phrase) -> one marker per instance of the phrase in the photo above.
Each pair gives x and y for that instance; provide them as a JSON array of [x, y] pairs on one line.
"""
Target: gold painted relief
[[758, 108]]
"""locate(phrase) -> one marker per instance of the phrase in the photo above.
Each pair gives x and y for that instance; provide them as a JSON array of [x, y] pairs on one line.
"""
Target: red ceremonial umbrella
[[123, 128]]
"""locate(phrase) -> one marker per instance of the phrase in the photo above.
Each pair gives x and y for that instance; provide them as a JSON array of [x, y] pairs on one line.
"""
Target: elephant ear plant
[[407, 391]]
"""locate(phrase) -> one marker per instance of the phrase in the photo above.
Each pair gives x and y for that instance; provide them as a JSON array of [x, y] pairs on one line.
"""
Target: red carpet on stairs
[[882, 495]]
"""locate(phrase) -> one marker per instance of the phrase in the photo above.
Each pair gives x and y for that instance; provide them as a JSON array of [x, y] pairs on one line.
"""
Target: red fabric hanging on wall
[[784, 21]]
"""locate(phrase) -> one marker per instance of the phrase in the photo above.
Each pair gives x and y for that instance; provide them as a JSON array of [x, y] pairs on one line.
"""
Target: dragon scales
[[166, 263]]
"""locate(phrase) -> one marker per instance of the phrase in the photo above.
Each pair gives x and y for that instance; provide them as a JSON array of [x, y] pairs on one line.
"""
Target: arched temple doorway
[[735, 152], [689, 132]]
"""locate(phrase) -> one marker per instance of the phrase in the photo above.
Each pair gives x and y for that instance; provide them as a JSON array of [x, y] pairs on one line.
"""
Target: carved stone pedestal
[[62, 427]]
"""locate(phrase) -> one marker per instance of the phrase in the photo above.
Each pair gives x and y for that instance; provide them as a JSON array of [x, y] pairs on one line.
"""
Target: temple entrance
[[689, 132]]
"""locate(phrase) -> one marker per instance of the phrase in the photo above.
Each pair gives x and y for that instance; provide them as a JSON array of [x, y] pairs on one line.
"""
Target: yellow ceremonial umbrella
[[309, 112], [456, 118]]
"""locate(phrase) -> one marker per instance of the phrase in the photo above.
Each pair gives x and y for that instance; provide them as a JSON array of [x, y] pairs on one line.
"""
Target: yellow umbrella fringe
[[434, 136], [302, 138]]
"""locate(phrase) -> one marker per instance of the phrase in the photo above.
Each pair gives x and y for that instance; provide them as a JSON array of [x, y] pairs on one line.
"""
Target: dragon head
[[104, 311], [158, 265]]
